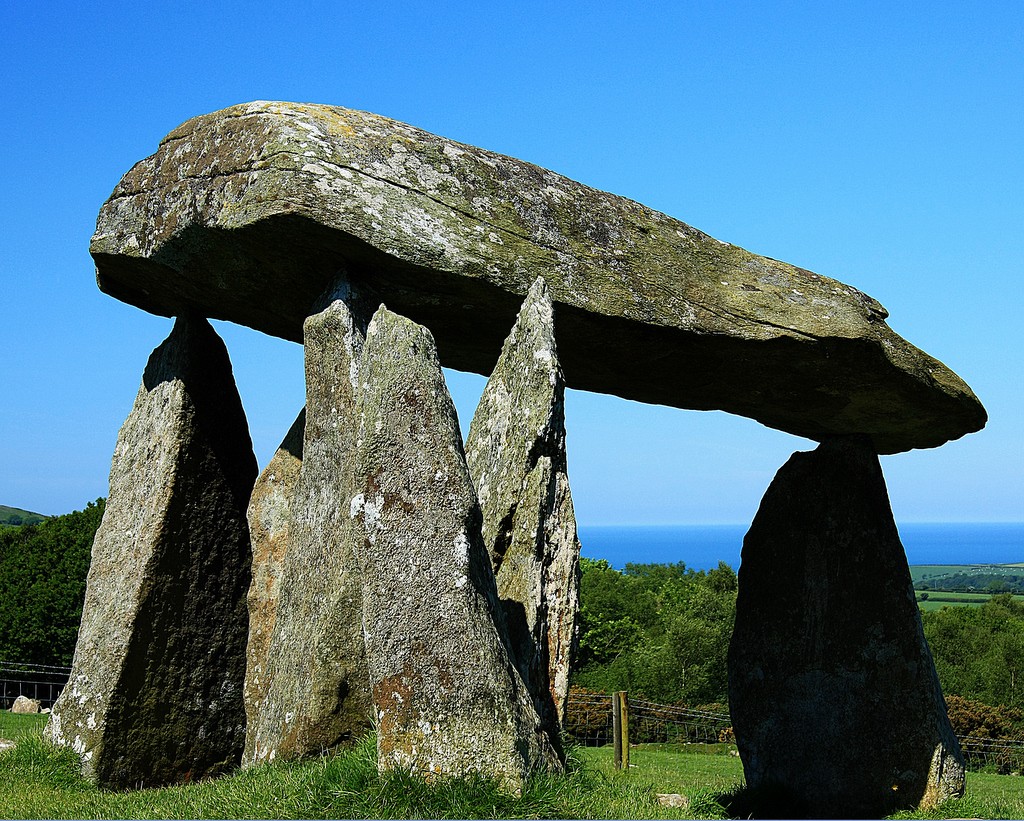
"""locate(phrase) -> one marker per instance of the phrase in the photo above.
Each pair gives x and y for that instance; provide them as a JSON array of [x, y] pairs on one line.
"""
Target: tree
[[979, 652], [660, 631], [44, 567]]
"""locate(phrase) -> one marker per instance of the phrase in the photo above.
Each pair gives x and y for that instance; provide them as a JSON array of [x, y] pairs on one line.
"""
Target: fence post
[[617, 728], [624, 724], [620, 729]]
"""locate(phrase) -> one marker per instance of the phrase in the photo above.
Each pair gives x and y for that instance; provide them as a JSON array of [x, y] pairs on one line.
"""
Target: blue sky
[[878, 143]]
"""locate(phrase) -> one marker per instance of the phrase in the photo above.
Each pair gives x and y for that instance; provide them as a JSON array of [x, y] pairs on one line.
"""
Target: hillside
[[16, 516]]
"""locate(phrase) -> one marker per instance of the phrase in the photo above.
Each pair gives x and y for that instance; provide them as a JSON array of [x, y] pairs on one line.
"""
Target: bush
[[976, 720]]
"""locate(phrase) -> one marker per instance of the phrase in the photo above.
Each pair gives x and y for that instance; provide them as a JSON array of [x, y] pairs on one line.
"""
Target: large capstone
[[155, 693], [247, 214], [270, 519], [448, 697], [315, 694], [832, 689], [516, 456]]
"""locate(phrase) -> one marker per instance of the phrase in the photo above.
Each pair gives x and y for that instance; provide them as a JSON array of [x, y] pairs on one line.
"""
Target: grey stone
[[270, 518], [516, 456], [832, 689], [448, 697], [673, 799], [245, 213], [155, 693], [315, 690], [24, 704], [6, 744]]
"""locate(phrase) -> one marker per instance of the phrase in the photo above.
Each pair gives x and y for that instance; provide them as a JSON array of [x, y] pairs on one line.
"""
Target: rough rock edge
[[441, 226], [183, 463], [316, 688], [516, 455], [458, 704]]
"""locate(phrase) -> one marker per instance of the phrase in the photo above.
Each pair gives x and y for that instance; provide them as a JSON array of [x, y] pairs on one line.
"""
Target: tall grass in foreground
[[37, 781]]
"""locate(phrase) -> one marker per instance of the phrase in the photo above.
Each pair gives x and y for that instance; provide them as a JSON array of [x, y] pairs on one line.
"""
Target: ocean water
[[702, 547]]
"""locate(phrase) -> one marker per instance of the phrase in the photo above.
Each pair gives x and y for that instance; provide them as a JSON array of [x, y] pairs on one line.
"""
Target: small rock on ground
[[673, 800]]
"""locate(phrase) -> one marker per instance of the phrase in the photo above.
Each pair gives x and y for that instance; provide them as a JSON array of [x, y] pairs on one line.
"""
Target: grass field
[[939, 599], [935, 575], [16, 516], [38, 782]]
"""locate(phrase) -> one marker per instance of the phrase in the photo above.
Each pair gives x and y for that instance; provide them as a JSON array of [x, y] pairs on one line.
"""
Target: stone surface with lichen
[[247, 214], [449, 699], [516, 455], [315, 695], [155, 692], [270, 519]]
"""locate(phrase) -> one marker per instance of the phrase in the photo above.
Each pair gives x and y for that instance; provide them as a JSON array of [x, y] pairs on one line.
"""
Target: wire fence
[[997, 755], [43, 682], [588, 719], [589, 722]]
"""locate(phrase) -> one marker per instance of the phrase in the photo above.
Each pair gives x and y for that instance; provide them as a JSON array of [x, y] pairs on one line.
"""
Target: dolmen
[[380, 574]]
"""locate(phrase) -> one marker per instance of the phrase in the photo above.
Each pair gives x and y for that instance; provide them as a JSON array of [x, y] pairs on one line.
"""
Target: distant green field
[[16, 516], [938, 600], [962, 585], [923, 572]]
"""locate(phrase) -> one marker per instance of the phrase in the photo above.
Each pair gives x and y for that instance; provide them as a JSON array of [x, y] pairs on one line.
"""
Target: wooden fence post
[[620, 729], [617, 729], [624, 724]]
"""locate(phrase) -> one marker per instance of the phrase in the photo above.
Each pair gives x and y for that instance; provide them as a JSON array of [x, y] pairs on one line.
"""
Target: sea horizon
[[703, 546]]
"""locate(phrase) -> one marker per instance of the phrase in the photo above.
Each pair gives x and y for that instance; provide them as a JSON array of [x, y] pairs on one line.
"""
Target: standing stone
[[315, 692], [833, 694], [448, 697], [270, 519], [516, 455], [155, 694]]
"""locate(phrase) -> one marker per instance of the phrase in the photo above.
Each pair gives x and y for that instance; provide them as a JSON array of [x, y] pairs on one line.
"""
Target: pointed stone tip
[[385, 321], [538, 290], [536, 319]]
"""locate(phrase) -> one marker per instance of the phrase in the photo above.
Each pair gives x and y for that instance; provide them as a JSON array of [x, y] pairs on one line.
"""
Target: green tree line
[[43, 569], [660, 631], [979, 651]]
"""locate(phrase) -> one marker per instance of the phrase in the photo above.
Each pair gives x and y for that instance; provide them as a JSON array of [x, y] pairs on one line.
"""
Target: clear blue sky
[[880, 143]]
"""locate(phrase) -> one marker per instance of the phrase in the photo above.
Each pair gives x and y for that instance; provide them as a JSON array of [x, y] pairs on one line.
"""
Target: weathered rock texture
[[833, 694], [448, 697], [155, 694], [246, 214], [516, 456], [24, 704], [316, 694], [270, 519]]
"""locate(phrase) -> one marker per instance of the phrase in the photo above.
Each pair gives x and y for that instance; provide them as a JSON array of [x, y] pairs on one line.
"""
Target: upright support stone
[[448, 697], [155, 694], [832, 689], [270, 520], [516, 455], [315, 692]]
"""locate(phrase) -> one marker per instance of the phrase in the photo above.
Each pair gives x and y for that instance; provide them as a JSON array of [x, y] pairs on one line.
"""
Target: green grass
[[938, 599], [14, 727], [37, 781]]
